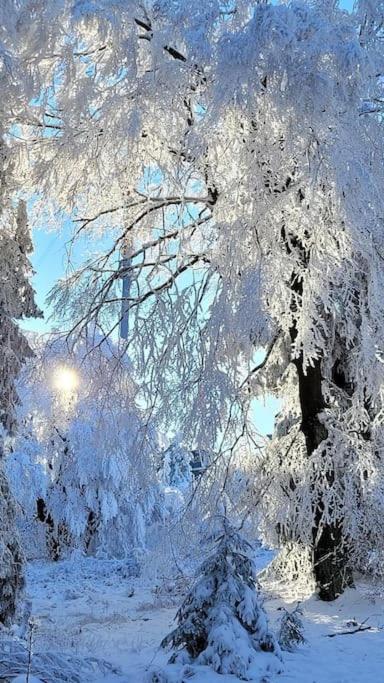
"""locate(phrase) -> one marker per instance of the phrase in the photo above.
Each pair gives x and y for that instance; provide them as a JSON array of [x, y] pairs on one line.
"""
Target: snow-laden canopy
[[232, 152]]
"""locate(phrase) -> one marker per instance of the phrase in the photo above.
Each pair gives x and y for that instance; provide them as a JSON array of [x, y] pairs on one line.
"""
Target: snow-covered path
[[87, 608]]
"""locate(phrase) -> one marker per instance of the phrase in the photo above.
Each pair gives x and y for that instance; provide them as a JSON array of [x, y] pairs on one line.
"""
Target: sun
[[65, 380]]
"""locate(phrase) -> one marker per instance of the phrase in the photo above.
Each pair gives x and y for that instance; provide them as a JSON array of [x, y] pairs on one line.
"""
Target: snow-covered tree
[[26, 473], [291, 632], [16, 302], [176, 466], [222, 622], [100, 489], [233, 152]]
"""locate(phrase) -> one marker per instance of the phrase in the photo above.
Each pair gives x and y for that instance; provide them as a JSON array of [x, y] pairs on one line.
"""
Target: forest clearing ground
[[87, 609]]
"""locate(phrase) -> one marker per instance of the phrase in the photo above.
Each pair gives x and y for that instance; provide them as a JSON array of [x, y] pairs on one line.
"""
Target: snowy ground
[[96, 608]]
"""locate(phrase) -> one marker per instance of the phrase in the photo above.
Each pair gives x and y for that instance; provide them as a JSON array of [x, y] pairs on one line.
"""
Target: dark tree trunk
[[57, 537], [46, 518], [330, 548], [93, 522]]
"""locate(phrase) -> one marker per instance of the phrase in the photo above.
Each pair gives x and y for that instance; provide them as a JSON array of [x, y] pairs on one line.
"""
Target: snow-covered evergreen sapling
[[291, 633], [177, 470], [221, 622]]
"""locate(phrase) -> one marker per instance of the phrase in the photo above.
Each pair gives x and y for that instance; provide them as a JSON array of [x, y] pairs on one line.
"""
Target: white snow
[[85, 608]]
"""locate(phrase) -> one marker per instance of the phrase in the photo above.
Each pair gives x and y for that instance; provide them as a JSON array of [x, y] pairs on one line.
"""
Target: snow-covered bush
[[222, 622], [16, 659], [291, 633]]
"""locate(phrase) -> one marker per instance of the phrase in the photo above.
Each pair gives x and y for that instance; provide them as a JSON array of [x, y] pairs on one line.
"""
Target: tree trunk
[[330, 548], [57, 536], [11, 556], [44, 516], [90, 534]]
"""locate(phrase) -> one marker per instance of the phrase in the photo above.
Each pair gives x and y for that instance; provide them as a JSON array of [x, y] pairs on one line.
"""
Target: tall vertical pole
[[126, 286]]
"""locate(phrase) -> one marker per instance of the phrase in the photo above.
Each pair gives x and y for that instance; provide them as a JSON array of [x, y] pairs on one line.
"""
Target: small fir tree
[[221, 622], [177, 470], [291, 630]]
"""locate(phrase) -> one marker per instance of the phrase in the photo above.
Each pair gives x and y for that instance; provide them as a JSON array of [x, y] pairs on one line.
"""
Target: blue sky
[[48, 262]]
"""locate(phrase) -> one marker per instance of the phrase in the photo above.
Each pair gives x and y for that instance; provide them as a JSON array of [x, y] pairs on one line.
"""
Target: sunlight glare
[[65, 380]]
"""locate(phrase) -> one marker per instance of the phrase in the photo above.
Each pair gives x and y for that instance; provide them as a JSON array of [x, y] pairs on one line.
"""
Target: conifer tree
[[177, 469], [222, 622], [291, 629], [16, 302]]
